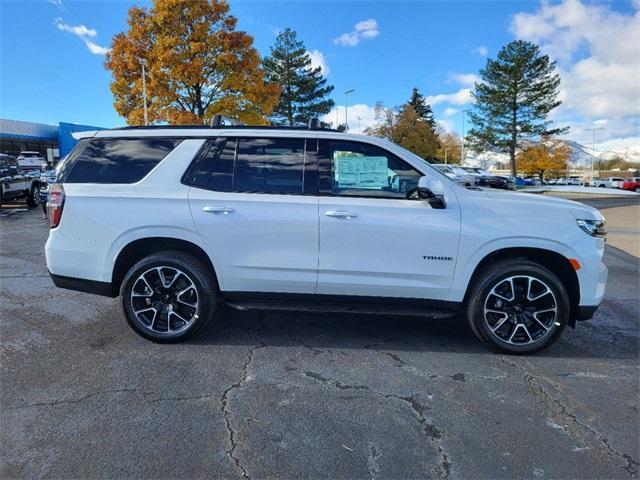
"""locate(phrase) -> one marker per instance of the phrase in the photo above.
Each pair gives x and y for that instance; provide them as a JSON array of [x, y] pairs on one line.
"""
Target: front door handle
[[340, 214], [216, 209]]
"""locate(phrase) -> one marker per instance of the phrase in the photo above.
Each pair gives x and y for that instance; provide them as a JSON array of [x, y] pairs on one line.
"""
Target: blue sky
[[52, 55]]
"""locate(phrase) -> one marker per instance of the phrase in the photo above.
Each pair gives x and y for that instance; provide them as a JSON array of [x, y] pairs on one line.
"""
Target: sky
[[52, 54]]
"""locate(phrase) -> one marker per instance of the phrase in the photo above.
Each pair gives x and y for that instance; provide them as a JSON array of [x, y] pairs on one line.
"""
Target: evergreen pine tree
[[303, 89], [422, 108], [517, 92]]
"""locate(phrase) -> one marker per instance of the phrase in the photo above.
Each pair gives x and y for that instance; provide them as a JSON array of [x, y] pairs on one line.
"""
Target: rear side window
[[115, 160], [256, 165], [269, 165]]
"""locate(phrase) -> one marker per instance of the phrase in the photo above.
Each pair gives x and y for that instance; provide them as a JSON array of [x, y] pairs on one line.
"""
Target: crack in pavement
[[372, 461], [433, 433], [631, 465], [74, 400], [459, 376], [225, 405]]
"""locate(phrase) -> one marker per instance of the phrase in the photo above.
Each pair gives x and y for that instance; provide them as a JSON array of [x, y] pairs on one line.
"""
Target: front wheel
[[518, 306], [168, 296]]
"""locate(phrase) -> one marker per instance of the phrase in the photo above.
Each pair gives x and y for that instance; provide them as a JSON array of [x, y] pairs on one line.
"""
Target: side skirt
[[340, 304]]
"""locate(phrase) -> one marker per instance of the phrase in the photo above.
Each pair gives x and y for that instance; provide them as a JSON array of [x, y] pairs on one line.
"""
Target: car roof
[[201, 131]]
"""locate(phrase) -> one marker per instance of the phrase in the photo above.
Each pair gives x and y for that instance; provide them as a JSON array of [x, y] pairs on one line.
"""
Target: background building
[[52, 141]]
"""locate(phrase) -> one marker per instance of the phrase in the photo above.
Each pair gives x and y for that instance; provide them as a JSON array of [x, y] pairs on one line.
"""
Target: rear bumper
[[587, 312], [104, 289]]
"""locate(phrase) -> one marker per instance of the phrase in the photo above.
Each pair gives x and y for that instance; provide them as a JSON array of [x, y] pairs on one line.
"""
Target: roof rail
[[222, 122]]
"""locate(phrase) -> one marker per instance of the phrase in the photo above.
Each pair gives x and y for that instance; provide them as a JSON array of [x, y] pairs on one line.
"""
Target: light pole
[[593, 148], [445, 155], [359, 123], [462, 147], [346, 117], [143, 62]]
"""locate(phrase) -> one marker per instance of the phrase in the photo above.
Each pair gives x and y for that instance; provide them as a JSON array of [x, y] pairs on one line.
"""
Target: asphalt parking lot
[[281, 396]]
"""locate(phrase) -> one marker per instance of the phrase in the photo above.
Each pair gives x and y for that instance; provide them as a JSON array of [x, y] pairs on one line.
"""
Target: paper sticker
[[369, 173]]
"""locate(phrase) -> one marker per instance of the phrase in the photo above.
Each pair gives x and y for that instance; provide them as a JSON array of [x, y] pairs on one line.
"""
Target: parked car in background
[[457, 174], [15, 183], [31, 161], [632, 184], [594, 182], [47, 178], [569, 181], [610, 182], [177, 221], [487, 179], [523, 182]]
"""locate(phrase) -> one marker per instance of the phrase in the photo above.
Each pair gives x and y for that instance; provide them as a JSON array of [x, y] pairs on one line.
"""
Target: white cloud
[[318, 60], [448, 112], [465, 79], [362, 30], [461, 97], [598, 54], [481, 50], [59, 4], [84, 33], [447, 125], [366, 114]]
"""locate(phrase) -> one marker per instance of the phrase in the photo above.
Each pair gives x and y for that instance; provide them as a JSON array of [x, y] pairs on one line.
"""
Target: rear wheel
[[33, 200], [518, 306], [168, 296]]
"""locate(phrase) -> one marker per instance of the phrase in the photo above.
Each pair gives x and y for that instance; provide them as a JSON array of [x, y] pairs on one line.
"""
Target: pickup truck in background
[[31, 161], [16, 183], [609, 182]]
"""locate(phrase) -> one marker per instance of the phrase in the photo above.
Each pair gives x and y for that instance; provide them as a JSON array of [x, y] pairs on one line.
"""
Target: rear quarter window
[[115, 160]]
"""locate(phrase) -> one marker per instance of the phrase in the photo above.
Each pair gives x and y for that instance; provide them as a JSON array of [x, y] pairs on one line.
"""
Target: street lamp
[[445, 155], [359, 123], [593, 130], [462, 147], [143, 63], [346, 118]]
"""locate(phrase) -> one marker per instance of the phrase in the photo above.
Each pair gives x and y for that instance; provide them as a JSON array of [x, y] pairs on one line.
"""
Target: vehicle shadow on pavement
[[393, 333]]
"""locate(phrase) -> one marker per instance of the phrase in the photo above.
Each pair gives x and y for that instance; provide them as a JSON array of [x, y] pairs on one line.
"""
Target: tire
[[178, 300], [33, 200], [510, 326]]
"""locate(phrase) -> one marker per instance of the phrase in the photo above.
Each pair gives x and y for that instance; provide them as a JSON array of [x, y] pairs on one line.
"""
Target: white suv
[[178, 220]]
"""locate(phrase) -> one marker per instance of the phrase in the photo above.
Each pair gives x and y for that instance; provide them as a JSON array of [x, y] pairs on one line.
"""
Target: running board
[[352, 309]]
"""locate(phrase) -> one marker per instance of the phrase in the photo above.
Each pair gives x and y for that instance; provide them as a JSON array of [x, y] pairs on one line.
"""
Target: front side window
[[359, 169]]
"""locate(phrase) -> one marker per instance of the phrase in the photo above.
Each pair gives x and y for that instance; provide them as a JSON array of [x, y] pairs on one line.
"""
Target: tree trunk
[[514, 132]]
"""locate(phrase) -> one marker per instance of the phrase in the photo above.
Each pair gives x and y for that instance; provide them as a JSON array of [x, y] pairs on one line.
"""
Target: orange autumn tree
[[549, 155], [198, 65]]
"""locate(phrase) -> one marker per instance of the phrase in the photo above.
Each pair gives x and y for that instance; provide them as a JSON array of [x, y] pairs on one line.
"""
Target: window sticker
[[369, 173]]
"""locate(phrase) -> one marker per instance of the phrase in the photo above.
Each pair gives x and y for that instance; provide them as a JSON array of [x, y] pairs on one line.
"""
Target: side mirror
[[432, 190]]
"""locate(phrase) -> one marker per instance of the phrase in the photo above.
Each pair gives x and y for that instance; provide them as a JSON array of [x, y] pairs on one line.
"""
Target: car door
[[374, 241], [254, 202]]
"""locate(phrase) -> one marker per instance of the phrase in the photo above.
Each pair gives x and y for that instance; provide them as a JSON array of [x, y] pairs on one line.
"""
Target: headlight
[[595, 228]]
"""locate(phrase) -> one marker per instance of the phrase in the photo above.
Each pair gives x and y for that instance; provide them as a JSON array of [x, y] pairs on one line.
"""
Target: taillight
[[55, 204]]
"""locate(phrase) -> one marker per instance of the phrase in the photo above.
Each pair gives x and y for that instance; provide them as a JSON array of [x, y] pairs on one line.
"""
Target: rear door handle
[[216, 209], [340, 214]]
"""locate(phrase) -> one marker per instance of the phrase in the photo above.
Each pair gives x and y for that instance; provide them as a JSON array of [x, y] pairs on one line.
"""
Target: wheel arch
[[554, 261], [142, 247]]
